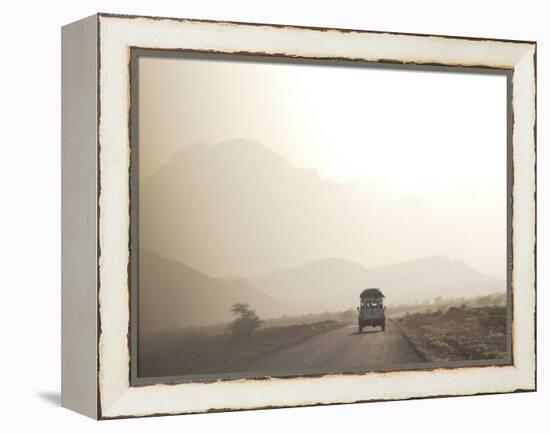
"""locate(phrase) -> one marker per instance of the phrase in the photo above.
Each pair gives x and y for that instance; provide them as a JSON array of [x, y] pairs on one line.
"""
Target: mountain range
[[172, 294], [240, 209], [334, 284]]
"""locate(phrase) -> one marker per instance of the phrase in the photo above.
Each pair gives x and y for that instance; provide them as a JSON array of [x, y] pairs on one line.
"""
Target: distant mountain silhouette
[[239, 209], [171, 294], [332, 284]]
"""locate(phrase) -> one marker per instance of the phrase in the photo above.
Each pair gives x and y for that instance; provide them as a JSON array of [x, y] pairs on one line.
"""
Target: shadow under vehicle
[[371, 309]]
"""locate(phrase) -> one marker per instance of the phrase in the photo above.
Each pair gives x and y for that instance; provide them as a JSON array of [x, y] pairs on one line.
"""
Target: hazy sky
[[434, 136]]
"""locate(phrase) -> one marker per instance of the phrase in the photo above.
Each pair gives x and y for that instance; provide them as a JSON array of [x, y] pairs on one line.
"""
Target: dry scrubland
[[206, 350], [459, 333], [447, 330]]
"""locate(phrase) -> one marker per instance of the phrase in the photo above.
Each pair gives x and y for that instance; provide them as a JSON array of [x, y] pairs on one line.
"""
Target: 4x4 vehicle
[[371, 309]]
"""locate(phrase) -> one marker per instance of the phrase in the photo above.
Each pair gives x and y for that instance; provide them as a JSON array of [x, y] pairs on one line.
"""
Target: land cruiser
[[371, 309]]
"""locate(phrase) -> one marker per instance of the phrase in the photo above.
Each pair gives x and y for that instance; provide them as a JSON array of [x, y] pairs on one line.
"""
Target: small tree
[[246, 323]]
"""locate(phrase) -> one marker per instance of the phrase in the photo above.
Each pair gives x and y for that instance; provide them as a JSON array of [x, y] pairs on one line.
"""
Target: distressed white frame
[[116, 35]]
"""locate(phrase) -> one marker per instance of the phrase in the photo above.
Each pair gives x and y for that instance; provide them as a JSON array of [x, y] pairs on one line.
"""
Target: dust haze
[[291, 188]]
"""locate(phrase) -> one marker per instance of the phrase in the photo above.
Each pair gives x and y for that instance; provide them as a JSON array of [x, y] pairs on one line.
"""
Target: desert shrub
[[454, 313], [246, 323], [441, 345]]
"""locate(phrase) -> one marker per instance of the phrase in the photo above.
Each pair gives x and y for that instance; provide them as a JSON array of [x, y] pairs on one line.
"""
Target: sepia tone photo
[[292, 217]]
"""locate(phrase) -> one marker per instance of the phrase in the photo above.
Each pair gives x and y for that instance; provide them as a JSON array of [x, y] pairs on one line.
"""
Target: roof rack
[[372, 293]]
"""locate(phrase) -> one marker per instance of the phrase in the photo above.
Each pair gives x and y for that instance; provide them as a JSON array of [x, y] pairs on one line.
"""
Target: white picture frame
[[96, 257]]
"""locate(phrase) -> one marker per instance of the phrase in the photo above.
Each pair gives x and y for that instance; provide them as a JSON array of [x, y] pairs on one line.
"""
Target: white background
[[30, 217]]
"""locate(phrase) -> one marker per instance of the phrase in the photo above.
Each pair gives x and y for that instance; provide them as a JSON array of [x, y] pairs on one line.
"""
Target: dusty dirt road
[[341, 350]]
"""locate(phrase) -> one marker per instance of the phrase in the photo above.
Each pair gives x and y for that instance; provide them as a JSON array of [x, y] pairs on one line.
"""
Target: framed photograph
[[262, 216]]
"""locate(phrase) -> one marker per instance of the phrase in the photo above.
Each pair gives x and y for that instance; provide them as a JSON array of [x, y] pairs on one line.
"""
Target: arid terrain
[[327, 346], [198, 352], [456, 330], [460, 333]]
